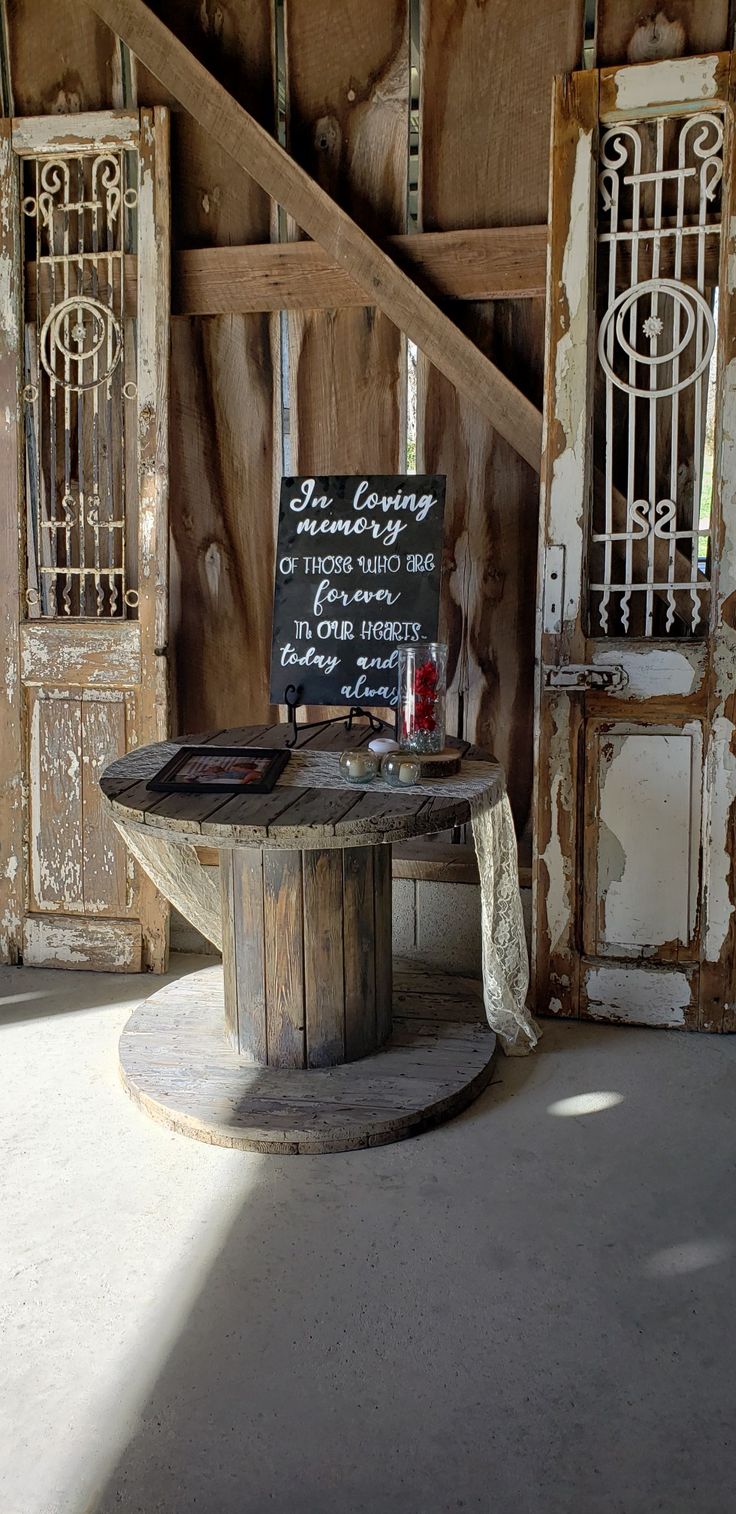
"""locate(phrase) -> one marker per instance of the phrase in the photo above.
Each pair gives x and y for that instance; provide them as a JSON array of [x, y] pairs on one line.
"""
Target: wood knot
[[327, 136], [656, 37]]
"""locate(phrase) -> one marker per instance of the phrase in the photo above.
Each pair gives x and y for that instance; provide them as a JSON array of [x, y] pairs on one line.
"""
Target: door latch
[[577, 676]]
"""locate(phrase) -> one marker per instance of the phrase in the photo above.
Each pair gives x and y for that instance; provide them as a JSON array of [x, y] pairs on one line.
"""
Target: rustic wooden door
[[636, 775], [84, 248]]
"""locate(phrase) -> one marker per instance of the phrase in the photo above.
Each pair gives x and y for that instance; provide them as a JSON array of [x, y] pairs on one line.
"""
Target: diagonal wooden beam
[[392, 290], [388, 287]]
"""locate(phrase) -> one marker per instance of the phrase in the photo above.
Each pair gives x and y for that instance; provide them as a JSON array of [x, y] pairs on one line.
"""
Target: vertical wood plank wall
[[347, 101], [347, 123], [485, 90], [485, 81], [222, 438]]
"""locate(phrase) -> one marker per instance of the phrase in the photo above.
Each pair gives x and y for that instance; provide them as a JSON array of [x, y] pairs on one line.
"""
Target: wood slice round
[[438, 764], [177, 1065]]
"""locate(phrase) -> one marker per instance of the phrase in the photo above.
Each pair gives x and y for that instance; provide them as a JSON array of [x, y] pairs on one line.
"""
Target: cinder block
[[448, 925], [186, 938], [403, 901]]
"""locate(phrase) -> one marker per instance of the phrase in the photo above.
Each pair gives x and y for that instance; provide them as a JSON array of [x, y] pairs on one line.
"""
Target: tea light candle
[[359, 767], [383, 744], [399, 768]]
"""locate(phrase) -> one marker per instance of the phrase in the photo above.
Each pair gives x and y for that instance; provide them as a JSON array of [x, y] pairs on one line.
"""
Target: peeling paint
[[727, 474], [638, 995], [721, 771], [649, 831], [681, 79], [559, 866], [658, 673], [567, 488], [110, 946], [93, 130], [87, 654]]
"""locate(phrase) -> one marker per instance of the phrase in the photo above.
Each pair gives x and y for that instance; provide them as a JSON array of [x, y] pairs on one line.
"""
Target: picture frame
[[220, 770]]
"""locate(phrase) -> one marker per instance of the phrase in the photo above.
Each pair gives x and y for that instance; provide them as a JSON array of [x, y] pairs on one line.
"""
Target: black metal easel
[[293, 702]]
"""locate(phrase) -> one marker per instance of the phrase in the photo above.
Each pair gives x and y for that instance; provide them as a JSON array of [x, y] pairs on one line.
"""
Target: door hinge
[[573, 675]]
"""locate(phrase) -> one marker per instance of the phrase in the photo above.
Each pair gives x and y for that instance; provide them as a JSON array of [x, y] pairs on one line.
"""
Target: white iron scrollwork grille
[[659, 223], [79, 379]]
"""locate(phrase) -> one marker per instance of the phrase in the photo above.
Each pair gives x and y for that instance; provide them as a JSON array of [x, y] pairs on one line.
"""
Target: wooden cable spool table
[[306, 1039]]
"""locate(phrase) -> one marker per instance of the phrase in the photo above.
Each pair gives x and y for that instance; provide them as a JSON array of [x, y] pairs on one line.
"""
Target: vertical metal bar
[[699, 408], [608, 522], [111, 552], [124, 159], [95, 241], [631, 475], [79, 340], [653, 379], [675, 397], [67, 500]]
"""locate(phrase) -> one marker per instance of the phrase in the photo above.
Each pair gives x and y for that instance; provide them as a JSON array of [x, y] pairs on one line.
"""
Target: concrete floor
[[527, 1311]]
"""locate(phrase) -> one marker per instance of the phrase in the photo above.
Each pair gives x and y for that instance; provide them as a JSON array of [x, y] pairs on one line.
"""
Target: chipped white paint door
[[83, 525], [636, 694]]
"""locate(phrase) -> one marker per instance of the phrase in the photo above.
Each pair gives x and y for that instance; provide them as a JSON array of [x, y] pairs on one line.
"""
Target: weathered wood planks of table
[[303, 920]]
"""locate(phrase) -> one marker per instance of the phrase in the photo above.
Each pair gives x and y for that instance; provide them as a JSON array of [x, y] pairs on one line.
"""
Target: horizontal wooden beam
[[498, 263], [390, 289], [495, 264]]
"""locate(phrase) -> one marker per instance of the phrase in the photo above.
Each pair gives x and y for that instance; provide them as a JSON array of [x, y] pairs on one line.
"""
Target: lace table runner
[[505, 960]]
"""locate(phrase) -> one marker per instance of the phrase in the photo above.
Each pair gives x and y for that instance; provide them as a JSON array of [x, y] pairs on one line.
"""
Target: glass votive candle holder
[[359, 767], [400, 768]]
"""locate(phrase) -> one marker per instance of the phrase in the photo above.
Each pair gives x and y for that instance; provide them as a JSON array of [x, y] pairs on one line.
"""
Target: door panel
[[84, 522], [109, 874], [79, 864], [79, 943], [55, 802], [634, 907], [632, 995], [642, 840]]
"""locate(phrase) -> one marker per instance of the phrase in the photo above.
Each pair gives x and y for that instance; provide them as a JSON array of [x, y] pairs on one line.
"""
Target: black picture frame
[[173, 777]]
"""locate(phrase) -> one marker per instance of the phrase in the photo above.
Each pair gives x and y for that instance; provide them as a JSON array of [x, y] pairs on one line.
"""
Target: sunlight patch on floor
[[111, 1225], [585, 1103], [688, 1256]]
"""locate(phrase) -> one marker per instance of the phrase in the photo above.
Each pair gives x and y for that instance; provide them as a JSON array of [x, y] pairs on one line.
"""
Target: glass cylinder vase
[[422, 689]]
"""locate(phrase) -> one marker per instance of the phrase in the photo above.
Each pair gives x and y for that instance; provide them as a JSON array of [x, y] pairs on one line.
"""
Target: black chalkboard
[[357, 573]]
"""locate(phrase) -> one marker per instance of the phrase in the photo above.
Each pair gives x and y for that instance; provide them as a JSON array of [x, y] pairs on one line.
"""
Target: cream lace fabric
[[503, 939], [505, 963], [505, 959]]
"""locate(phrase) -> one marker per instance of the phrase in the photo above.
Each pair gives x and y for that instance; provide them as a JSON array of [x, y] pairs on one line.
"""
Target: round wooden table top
[[292, 815]]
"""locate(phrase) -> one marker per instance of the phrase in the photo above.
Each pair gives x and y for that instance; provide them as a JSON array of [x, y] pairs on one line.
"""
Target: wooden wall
[[484, 143], [485, 73]]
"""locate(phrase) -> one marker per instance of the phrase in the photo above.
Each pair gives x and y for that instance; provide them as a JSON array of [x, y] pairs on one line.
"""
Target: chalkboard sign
[[357, 573]]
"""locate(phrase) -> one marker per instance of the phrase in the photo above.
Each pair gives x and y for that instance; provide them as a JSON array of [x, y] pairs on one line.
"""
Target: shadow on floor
[[48, 998], [481, 1319]]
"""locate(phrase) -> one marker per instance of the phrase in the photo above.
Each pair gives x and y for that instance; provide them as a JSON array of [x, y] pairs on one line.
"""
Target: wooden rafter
[[392, 290]]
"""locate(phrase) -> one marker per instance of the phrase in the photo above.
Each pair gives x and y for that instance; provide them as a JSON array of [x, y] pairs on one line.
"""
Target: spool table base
[[178, 1066]]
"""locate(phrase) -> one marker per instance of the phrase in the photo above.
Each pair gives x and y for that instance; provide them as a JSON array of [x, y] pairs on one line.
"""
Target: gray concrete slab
[[526, 1311]]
